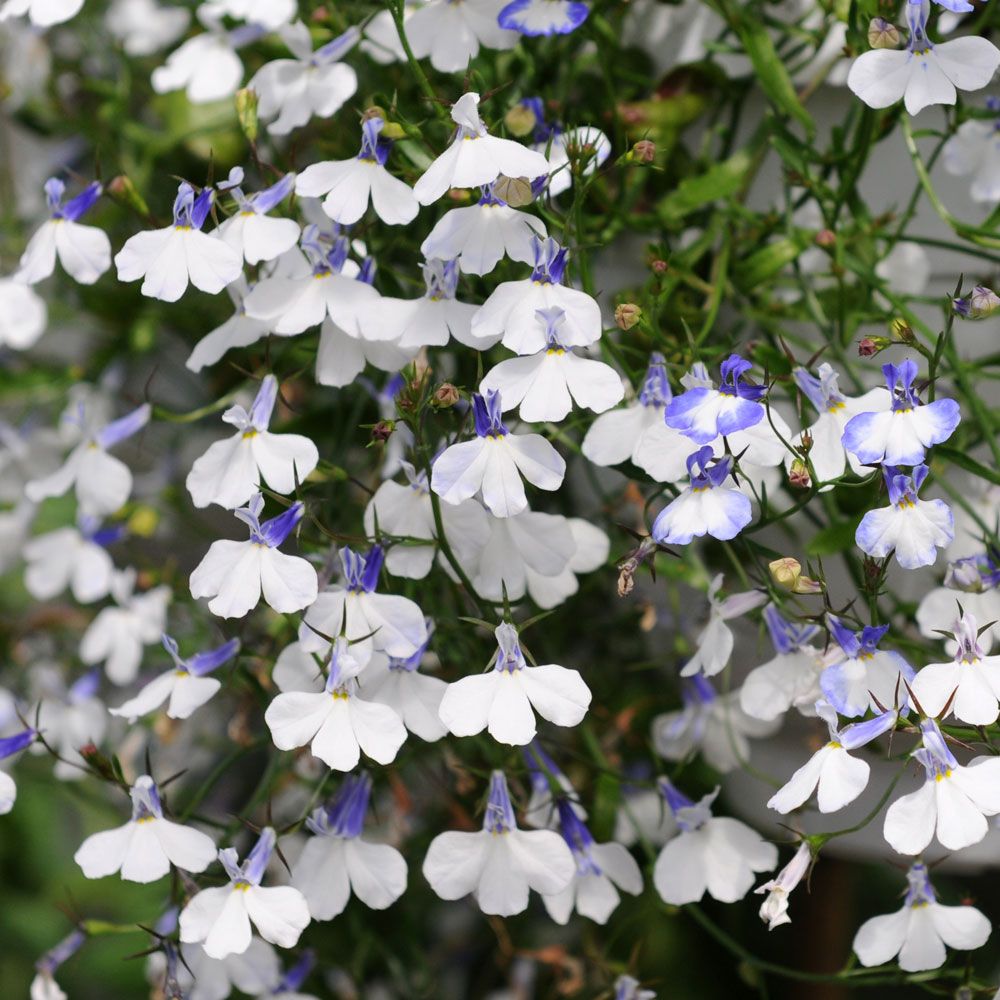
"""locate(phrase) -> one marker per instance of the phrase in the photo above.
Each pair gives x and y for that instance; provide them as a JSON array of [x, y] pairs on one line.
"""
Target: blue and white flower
[[250, 231], [543, 17], [240, 330], [707, 506], [337, 861], [974, 151], [235, 574], [549, 590], [144, 848], [452, 33], [76, 558], [912, 528], [774, 910], [714, 644], [83, 251], [42, 13], [902, 435], [500, 863], [10, 745], [23, 315], [70, 717], [145, 26], [270, 14], [44, 986], [504, 700], [206, 66]]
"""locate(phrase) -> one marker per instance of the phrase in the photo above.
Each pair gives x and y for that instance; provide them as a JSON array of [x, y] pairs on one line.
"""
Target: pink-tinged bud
[[383, 430], [825, 238], [785, 572], [658, 266], [122, 190], [983, 302], [445, 395], [882, 34], [868, 347], [644, 151], [807, 585], [627, 315], [798, 475]]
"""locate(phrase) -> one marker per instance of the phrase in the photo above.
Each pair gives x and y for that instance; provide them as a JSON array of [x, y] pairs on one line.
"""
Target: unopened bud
[[658, 266], [981, 303], [785, 572], [644, 151], [393, 131], [383, 430], [798, 475], [628, 568], [882, 34], [246, 113], [901, 330], [627, 315], [520, 120], [373, 112], [122, 190], [445, 395], [143, 521], [868, 347], [963, 574], [100, 762], [807, 585], [825, 238]]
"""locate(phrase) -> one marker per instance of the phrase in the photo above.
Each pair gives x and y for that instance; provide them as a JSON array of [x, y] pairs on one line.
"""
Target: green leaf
[[766, 262], [719, 181], [837, 537], [964, 461]]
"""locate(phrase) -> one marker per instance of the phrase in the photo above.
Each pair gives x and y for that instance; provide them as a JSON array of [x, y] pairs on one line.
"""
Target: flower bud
[[246, 112], [627, 315], [644, 151], [393, 131], [825, 238], [882, 34], [122, 190], [963, 574], [868, 347], [807, 585], [902, 331], [798, 475], [981, 303], [444, 396], [658, 266], [785, 572], [383, 430], [520, 120]]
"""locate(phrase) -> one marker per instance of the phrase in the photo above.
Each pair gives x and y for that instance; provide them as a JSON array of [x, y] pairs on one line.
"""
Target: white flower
[[234, 574], [923, 74], [116, 636], [42, 13], [713, 854], [335, 721], [70, 717], [493, 462], [715, 642], [205, 67], [200, 977], [504, 700], [23, 315], [712, 723], [270, 14], [918, 932], [44, 986], [911, 528], [102, 482], [591, 550], [475, 158], [145, 847], [312, 84], [144, 26], [970, 684], [239, 330], [545, 385], [953, 802], [167, 259], [337, 861], [83, 251], [974, 151], [344, 352], [350, 184], [511, 313], [500, 863], [774, 909], [386, 622], [479, 235], [250, 231], [10, 745], [232, 470], [220, 918], [451, 33], [71, 557], [185, 686], [836, 776]]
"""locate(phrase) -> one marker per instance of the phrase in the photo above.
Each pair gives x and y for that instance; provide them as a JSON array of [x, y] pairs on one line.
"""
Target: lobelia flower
[[388, 623], [629, 988], [76, 558], [70, 717], [83, 251], [429, 321], [295, 303], [337, 861], [974, 151], [504, 700], [545, 385], [291, 91], [709, 722], [287, 987], [953, 802], [167, 259], [200, 977], [638, 432], [713, 854], [912, 528], [406, 511], [474, 158], [591, 550], [902, 435], [234, 574], [336, 722], [10, 745], [144, 26], [219, 918], [707, 506], [239, 330], [44, 985], [493, 462], [715, 643], [549, 789], [543, 17], [791, 678], [185, 686], [232, 470], [116, 636], [970, 684], [102, 482], [270, 14], [826, 453], [500, 863], [451, 33], [23, 315], [511, 312], [250, 231], [836, 776], [601, 870], [923, 74], [145, 847], [703, 413], [774, 910], [479, 235], [41, 13], [867, 676], [919, 931], [350, 184]]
